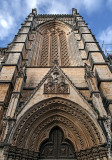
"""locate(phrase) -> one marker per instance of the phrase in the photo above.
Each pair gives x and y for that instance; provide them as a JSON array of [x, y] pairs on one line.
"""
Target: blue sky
[[97, 13]]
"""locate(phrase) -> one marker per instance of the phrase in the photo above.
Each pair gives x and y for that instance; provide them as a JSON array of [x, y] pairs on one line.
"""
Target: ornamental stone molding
[[77, 125]]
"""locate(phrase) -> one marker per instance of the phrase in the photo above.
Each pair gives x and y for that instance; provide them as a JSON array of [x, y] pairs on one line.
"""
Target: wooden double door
[[57, 147]]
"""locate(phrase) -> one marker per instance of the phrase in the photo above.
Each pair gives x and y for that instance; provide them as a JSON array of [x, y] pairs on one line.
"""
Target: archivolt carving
[[38, 121], [47, 117], [56, 121]]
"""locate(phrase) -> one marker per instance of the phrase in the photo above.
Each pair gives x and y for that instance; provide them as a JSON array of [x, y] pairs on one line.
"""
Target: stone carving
[[61, 120], [98, 152], [66, 19], [22, 72], [34, 26], [56, 84], [80, 115], [88, 72]]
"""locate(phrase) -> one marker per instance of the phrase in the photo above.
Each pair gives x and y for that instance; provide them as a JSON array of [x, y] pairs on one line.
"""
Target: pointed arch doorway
[[56, 147]]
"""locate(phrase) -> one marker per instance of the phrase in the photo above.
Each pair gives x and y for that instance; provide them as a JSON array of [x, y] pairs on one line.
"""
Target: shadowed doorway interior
[[57, 147]]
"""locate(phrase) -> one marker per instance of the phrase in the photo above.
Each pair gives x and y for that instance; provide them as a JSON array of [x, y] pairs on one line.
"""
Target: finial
[[74, 11], [34, 11]]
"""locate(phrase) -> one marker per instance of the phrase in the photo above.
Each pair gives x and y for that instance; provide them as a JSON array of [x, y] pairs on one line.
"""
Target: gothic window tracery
[[54, 54], [44, 50], [64, 50], [54, 46]]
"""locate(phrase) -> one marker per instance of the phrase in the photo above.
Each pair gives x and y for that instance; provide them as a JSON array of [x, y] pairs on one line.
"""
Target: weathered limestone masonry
[[10, 79], [55, 92]]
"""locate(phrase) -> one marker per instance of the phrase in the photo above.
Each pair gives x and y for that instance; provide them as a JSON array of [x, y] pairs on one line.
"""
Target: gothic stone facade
[[55, 92]]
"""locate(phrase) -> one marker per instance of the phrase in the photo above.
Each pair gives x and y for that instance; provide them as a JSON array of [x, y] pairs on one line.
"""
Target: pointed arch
[[52, 38], [56, 23], [56, 146], [76, 123]]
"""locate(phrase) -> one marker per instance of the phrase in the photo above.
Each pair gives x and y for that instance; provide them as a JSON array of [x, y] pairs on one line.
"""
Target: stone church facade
[[55, 92]]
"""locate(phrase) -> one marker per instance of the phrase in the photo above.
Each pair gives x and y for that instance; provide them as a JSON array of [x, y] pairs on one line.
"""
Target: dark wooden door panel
[[56, 147]]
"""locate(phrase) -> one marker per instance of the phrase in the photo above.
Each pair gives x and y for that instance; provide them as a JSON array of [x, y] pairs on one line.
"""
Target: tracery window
[[53, 46]]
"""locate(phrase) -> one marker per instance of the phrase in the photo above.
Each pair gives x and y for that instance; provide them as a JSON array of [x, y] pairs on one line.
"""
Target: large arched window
[[52, 45]]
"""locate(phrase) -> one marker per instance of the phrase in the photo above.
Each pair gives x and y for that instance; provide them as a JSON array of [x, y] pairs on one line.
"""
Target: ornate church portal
[[56, 147], [56, 92]]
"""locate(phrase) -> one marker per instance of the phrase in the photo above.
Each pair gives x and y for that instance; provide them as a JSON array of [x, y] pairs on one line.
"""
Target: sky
[[97, 13]]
